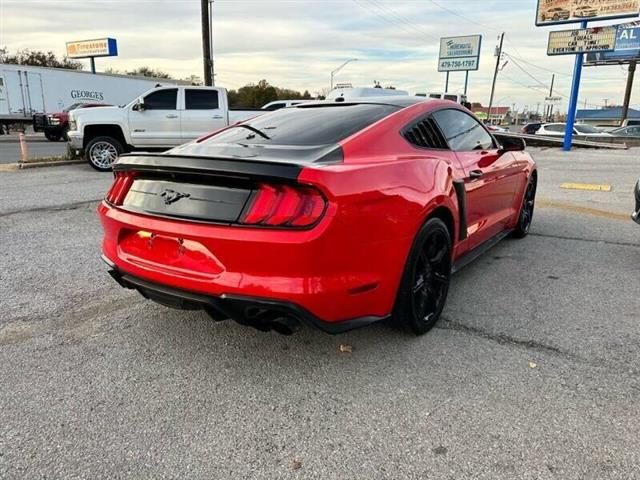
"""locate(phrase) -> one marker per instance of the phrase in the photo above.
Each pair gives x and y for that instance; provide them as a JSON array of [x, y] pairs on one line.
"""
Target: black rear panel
[[186, 200]]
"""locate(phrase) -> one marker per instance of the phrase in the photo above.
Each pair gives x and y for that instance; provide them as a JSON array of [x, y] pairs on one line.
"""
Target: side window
[[162, 99], [463, 132], [555, 128], [197, 99]]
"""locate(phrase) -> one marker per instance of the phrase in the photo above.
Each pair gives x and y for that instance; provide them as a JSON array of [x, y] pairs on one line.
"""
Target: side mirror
[[140, 106], [512, 144]]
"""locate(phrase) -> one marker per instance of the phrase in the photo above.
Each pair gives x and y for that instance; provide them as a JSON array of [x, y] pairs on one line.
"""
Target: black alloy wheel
[[526, 210], [425, 283]]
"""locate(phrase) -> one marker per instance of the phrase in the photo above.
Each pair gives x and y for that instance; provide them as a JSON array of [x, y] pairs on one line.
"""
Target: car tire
[[425, 281], [526, 209], [101, 152], [65, 131], [52, 137]]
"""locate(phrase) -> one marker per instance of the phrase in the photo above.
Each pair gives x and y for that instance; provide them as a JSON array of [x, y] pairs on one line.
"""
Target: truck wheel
[[101, 152], [425, 282], [52, 137]]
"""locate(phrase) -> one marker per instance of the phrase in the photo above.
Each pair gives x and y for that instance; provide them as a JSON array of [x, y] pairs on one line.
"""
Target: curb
[[12, 167]]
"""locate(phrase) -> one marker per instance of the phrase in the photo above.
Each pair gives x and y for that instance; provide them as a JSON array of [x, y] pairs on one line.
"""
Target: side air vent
[[425, 134]]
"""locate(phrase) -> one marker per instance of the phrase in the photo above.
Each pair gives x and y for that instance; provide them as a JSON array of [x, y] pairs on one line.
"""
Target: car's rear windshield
[[305, 125]]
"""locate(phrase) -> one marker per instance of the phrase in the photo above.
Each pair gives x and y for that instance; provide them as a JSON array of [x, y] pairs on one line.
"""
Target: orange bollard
[[24, 150]]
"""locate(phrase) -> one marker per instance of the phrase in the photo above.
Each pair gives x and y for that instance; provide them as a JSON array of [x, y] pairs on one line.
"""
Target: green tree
[[38, 58], [148, 72], [257, 95]]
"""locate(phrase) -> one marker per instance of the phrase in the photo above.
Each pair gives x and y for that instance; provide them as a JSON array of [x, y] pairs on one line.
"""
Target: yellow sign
[[98, 47], [551, 12], [582, 40]]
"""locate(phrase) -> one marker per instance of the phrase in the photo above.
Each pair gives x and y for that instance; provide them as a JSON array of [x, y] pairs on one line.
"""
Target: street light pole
[[340, 68]]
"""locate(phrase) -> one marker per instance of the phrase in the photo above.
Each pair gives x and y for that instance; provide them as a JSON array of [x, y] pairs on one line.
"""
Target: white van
[[454, 97], [349, 93]]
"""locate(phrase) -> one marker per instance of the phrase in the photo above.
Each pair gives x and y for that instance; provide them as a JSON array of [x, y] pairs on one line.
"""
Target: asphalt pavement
[[532, 373], [37, 145]]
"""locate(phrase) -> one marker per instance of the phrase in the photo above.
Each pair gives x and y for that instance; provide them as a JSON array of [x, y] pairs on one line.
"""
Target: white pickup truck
[[160, 118]]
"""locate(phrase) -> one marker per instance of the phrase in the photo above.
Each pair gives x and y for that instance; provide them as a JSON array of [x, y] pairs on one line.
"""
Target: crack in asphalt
[[581, 239], [52, 208], [503, 339]]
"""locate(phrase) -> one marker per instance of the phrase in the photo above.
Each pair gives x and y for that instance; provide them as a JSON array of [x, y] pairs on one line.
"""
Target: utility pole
[[606, 101], [206, 42], [627, 92], [553, 79], [495, 75], [213, 75]]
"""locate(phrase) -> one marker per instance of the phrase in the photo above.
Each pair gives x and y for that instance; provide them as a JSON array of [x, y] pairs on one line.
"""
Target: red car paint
[[349, 264]]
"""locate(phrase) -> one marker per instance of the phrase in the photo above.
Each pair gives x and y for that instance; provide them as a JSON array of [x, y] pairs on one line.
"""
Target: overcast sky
[[296, 43]]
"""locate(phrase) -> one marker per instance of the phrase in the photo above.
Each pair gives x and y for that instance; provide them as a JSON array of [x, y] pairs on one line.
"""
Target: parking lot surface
[[37, 145], [532, 373]]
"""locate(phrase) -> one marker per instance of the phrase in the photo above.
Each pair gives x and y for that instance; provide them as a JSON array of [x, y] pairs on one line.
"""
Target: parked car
[[330, 214], [626, 132], [497, 128], [159, 119], [555, 14], [558, 130], [531, 128], [56, 125], [636, 213], [278, 104], [585, 11]]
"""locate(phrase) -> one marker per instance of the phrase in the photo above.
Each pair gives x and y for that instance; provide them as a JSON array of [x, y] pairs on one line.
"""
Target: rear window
[[306, 125]]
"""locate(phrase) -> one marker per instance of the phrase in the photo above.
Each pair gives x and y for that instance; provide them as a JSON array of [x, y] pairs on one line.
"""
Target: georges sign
[[459, 53], [87, 95]]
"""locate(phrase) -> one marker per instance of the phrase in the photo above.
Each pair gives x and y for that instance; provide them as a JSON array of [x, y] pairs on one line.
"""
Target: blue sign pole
[[573, 100]]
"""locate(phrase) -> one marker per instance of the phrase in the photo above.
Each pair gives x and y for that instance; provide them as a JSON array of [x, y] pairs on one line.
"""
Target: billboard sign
[[553, 12], [627, 47], [582, 40], [98, 47], [459, 54]]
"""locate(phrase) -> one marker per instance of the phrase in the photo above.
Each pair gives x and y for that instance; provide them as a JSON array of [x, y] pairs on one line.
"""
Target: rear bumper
[[326, 276], [263, 314]]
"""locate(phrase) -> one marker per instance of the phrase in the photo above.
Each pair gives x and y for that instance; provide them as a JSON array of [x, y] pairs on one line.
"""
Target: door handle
[[171, 115], [475, 174], [217, 117]]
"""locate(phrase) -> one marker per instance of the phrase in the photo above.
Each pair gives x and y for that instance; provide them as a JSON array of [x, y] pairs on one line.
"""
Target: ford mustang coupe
[[330, 214]]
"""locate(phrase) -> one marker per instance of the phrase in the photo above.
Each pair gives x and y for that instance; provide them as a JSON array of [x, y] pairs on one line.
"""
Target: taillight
[[120, 187], [284, 206]]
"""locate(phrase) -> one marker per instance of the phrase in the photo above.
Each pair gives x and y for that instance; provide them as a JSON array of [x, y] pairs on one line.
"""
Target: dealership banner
[[627, 47], [553, 12], [98, 47], [582, 40], [459, 53]]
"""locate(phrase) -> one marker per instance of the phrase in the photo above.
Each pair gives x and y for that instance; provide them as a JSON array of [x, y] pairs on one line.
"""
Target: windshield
[[586, 129], [305, 125]]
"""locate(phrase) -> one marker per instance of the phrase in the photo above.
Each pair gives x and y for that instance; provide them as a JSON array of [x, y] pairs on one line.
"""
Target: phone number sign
[[458, 64], [459, 53]]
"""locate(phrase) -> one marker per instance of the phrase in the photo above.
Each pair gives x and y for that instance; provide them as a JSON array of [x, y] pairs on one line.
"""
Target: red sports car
[[334, 215]]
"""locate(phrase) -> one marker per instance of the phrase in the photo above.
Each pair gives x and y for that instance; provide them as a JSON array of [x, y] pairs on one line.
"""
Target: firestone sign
[[552, 12], [459, 53], [98, 47], [583, 40]]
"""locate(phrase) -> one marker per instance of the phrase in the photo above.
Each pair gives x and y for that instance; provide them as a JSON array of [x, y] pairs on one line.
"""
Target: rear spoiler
[[227, 167]]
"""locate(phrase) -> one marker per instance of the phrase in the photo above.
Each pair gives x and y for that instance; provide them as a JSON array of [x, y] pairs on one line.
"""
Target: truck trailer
[[26, 90]]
